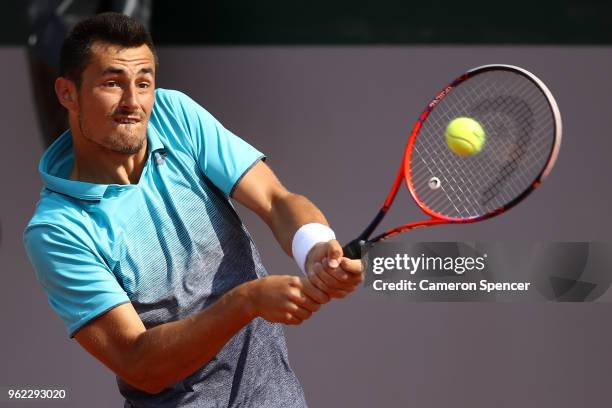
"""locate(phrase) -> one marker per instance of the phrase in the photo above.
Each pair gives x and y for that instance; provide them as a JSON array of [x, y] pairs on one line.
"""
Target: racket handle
[[353, 249]]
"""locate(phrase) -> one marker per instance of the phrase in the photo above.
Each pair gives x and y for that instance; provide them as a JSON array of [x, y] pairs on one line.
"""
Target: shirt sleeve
[[79, 285], [223, 157]]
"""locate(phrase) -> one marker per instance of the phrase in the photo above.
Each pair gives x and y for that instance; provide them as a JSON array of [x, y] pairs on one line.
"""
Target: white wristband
[[307, 236]]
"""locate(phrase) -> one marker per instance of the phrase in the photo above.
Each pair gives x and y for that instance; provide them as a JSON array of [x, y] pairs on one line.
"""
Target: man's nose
[[128, 99]]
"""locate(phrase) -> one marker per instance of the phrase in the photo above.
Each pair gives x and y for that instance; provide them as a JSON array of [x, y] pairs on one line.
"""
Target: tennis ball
[[464, 136]]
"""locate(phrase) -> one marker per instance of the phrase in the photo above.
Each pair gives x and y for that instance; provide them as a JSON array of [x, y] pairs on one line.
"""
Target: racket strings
[[522, 116]]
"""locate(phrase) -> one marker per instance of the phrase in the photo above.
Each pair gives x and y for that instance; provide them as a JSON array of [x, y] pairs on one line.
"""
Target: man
[[140, 251]]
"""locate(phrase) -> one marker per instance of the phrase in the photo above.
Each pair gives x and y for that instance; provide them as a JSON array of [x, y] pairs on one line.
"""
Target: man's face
[[116, 97]]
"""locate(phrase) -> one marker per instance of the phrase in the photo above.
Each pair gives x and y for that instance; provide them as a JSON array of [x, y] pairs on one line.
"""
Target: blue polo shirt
[[171, 245]]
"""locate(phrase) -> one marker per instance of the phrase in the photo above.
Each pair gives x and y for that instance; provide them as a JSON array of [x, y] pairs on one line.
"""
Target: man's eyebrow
[[121, 71]]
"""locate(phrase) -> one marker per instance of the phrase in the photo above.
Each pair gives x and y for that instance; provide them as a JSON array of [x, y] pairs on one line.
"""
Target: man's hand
[[332, 273], [285, 299]]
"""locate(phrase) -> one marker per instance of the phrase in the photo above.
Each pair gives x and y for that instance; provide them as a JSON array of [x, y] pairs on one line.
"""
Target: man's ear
[[66, 93]]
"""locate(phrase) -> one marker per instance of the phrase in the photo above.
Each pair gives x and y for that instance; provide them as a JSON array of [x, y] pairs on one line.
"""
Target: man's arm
[[153, 359], [260, 191], [285, 212]]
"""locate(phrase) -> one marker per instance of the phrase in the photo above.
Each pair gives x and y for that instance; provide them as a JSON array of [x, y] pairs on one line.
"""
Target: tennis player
[[140, 251]]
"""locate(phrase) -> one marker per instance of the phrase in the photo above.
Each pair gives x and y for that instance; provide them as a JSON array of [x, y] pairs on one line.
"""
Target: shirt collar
[[56, 164]]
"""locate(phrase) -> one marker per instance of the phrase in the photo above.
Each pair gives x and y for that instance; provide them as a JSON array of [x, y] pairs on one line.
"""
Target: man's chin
[[128, 149], [127, 146]]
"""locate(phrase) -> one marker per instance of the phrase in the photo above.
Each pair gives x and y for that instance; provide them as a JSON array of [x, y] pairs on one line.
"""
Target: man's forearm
[[283, 211], [170, 352], [289, 212]]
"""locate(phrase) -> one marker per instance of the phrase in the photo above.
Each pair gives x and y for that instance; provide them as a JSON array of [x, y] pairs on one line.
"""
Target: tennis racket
[[522, 124]]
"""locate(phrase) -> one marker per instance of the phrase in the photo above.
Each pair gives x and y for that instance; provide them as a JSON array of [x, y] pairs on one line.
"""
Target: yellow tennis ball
[[464, 136]]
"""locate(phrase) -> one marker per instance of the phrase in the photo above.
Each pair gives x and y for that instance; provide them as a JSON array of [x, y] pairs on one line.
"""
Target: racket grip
[[352, 250]]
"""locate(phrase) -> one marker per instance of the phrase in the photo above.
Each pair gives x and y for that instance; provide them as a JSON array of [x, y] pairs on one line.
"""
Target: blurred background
[[321, 88], [267, 22]]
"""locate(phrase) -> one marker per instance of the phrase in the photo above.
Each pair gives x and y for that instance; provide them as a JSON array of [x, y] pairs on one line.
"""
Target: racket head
[[523, 128]]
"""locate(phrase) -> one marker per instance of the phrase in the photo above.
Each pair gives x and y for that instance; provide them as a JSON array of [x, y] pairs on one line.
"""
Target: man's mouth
[[126, 120]]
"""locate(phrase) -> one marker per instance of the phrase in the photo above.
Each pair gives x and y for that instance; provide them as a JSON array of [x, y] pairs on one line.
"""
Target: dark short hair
[[112, 28]]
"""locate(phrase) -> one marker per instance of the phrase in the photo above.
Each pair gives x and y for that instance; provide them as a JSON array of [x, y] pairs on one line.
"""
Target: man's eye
[[111, 84], [144, 85]]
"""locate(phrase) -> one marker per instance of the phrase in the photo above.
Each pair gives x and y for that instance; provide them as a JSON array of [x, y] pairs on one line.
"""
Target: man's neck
[[96, 164]]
